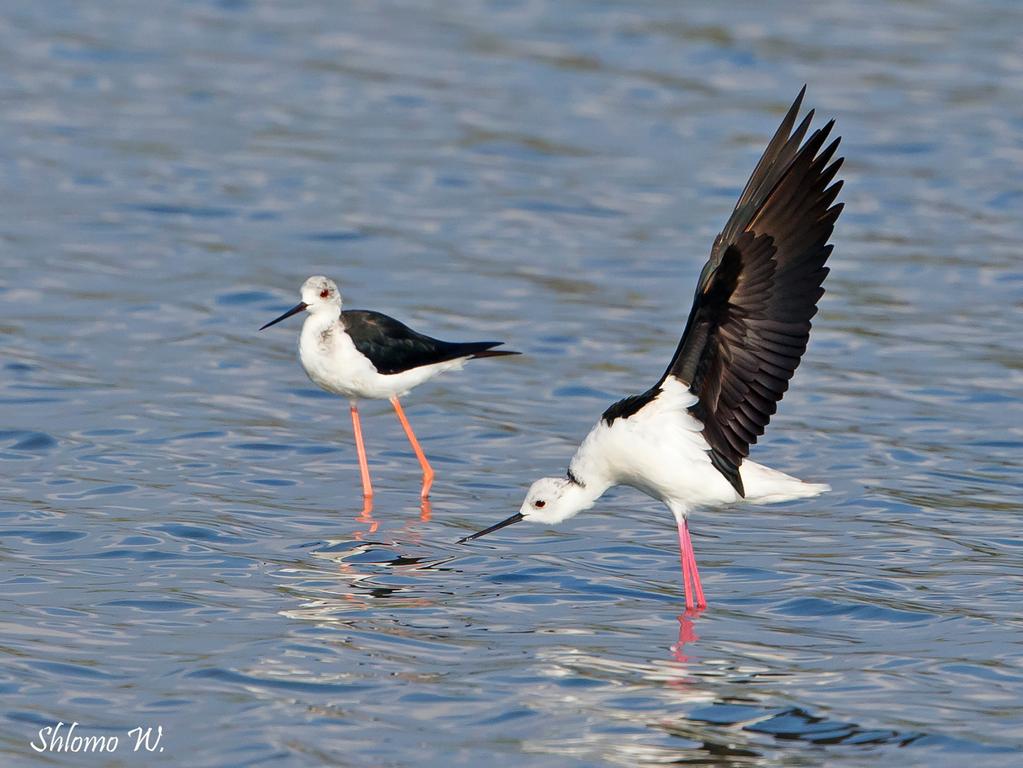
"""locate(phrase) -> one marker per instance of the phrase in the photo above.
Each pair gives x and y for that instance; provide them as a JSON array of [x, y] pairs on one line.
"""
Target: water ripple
[[182, 532]]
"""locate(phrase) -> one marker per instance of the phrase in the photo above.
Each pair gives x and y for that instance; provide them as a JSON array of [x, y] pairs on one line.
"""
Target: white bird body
[[332, 362], [661, 451]]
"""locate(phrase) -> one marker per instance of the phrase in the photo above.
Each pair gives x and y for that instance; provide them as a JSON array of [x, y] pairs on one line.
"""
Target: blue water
[[182, 536]]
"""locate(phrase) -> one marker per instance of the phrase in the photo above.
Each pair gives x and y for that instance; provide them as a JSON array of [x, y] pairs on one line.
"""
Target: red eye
[[540, 504], [324, 293]]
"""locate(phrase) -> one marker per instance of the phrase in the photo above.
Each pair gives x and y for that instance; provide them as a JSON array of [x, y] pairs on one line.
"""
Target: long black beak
[[513, 519], [293, 311]]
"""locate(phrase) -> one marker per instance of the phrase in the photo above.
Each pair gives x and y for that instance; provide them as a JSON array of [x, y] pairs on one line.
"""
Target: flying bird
[[685, 440], [360, 354]]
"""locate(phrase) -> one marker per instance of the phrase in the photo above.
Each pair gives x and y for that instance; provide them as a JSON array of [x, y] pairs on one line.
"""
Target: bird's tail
[[495, 353], [477, 349], [766, 486]]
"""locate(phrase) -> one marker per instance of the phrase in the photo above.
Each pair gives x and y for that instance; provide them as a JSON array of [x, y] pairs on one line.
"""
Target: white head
[[551, 500], [319, 295]]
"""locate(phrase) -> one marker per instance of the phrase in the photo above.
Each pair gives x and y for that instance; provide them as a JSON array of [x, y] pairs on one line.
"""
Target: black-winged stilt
[[685, 440], [360, 354]]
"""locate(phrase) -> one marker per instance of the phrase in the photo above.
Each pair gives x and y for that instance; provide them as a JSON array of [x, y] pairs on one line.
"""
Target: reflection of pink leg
[[686, 634], [367, 517], [689, 570]]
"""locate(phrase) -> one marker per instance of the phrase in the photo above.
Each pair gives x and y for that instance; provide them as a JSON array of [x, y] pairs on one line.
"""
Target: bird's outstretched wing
[[750, 320], [393, 347]]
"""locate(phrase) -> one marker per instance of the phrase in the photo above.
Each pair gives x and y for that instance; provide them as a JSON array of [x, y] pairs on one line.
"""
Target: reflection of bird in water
[[686, 634], [360, 354], [366, 516], [369, 569], [685, 440]]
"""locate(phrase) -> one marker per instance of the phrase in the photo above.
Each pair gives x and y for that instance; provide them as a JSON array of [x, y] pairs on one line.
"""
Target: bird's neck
[[320, 321], [589, 468], [586, 483]]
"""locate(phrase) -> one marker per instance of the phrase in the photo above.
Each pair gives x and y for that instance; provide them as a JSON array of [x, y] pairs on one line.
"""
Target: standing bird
[[685, 440], [360, 354]]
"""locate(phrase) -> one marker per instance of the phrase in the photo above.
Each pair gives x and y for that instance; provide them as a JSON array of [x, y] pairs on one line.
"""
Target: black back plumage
[[750, 320], [393, 347]]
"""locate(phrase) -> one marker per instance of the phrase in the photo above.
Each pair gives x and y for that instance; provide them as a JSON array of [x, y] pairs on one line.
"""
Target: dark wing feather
[[393, 347], [750, 320]]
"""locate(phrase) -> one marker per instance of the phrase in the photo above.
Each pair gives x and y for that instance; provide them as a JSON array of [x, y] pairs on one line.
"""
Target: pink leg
[[701, 601], [683, 549], [427, 469], [689, 570], [367, 487]]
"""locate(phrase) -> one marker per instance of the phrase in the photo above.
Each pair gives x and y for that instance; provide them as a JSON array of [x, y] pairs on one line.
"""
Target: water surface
[[181, 532]]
